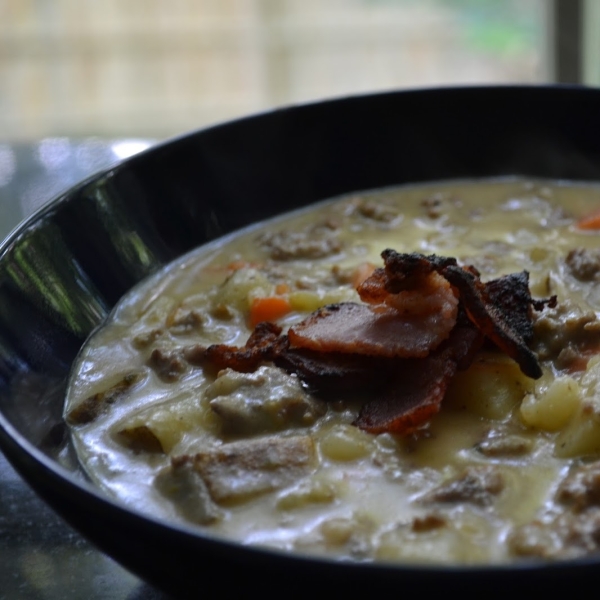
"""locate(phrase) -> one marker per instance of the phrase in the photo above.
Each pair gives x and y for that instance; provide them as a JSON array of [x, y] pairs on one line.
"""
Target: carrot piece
[[591, 221], [362, 272], [282, 288], [268, 309], [236, 265]]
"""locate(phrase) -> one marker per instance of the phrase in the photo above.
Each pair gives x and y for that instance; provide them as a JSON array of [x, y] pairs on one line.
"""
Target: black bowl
[[63, 270]]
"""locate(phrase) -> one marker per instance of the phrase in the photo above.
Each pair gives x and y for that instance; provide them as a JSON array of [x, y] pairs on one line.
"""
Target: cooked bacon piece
[[404, 270], [512, 297], [372, 331], [259, 348], [500, 309], [335, 373], [372, 289], [433, 295], [419, 385], [412, 399], [464, 341]]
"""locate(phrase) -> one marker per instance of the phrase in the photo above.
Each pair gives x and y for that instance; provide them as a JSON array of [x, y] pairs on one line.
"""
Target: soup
[[240, 390]]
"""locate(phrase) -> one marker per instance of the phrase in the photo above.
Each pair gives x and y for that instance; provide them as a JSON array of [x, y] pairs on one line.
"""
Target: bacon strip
[[506, 322], [416, 392], [372, 331], [404, 270], [332, 373], [500, 308], [261, 347], [413, 398]]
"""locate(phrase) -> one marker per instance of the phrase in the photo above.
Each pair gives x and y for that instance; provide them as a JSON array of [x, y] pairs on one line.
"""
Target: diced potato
[[346, 443], [311, 300], [581, 437], [538, 285], [337, 532], [314, 491], [491, 387], [166, 422], [355, 530], [242, 287], [539, 254], [305, 300], [551, 406], [340, 294]]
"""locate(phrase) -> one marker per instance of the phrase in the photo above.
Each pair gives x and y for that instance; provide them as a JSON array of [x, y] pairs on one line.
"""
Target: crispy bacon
[[372, 289], [418, 387], [413, 397], [372, 331], [260, 347], [404, 270], [425, 317], [333, 373], [500, 309], [401, 272]]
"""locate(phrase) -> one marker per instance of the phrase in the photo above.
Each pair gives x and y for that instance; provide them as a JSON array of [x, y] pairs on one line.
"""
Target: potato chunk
[[241, 287], [491, 387], [161, 427], [309, 492], [581, 436], [346, 443], [552, 405]]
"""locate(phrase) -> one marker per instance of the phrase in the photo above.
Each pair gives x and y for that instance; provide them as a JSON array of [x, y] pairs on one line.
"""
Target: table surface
[[42, 557]]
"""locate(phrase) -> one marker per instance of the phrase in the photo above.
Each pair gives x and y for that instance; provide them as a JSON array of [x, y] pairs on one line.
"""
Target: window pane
[[155, 68]]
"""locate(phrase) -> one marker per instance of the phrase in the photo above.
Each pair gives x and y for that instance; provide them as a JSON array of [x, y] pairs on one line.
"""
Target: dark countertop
[[40, 555]]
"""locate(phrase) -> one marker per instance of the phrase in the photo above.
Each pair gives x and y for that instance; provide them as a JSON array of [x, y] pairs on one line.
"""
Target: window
[[154, 68]]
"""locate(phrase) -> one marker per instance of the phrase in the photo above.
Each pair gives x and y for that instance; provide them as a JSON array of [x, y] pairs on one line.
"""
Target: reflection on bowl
[[64, 269]]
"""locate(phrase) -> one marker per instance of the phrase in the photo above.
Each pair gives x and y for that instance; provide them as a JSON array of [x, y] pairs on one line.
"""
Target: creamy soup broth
[[504, 472]]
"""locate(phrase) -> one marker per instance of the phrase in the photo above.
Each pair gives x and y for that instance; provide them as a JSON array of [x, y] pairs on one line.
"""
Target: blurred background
[[156, 68]]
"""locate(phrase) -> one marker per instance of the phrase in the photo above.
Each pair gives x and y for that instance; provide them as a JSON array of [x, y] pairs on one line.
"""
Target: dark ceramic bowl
[[63, 270]]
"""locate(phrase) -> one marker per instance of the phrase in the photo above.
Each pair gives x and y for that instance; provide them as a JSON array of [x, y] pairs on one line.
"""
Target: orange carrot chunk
[[268, 309], [591, 221], [282, 288]]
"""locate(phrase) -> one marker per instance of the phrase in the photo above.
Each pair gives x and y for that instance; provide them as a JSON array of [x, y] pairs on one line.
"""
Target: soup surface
[[253, 449]]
